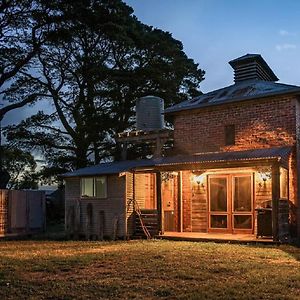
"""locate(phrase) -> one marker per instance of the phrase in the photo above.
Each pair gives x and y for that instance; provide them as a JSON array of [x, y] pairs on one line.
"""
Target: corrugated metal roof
[[122, 166], [109, 168], [240, 91], [246, 155]]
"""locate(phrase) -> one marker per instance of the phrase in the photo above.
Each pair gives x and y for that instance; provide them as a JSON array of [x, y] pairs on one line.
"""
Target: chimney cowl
[[252, 67]]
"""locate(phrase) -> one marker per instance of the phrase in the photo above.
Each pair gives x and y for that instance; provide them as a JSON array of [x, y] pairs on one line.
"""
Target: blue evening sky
[[215, 31]]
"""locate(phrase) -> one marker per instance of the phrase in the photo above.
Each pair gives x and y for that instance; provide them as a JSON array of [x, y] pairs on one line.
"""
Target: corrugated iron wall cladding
[[18, 205], [22, 212], [26, 211], [36, 209]]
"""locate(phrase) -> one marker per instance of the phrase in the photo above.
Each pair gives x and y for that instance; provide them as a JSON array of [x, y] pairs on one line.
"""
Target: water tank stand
[[158, 138]]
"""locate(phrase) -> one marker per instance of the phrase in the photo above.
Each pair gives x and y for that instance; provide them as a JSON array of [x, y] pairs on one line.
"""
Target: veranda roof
[[277, 153]]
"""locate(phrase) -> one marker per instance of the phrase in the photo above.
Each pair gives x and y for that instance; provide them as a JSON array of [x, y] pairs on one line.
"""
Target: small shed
[[96, 200]]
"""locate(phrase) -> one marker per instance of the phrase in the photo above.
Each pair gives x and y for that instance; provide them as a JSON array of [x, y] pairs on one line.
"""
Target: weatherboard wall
[[108, 214]]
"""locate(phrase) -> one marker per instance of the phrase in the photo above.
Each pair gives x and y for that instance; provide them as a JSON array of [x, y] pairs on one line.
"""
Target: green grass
[[147, 270]]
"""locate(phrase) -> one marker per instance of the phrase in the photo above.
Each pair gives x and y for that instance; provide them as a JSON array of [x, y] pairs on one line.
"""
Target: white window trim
[[94, 188]]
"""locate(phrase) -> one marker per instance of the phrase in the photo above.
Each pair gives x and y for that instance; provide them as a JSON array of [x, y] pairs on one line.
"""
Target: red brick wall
[[261, 123], [258, 124]]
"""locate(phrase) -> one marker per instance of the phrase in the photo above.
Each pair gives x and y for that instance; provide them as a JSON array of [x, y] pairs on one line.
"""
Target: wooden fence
[[22, 212]]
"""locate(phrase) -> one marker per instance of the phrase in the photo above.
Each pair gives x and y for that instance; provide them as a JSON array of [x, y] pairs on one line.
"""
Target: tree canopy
[[25, 25], [98, 61], [21, 167]]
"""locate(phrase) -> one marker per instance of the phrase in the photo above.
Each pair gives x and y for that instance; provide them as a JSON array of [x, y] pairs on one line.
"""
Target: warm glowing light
[[199, 179], [264, 176]]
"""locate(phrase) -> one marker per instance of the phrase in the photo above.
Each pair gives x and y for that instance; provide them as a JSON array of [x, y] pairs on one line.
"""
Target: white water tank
[[149, 113]]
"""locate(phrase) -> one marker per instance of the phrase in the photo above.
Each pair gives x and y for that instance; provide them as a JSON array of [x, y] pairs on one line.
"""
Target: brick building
[[233, 170]]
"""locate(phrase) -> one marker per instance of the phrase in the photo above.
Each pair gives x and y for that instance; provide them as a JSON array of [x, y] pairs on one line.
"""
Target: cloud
[[286, 33], [285, 47]]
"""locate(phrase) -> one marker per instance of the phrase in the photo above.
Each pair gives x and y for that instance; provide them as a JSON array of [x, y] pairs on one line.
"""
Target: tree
[[25, 25], [100, 62], [21, 167]]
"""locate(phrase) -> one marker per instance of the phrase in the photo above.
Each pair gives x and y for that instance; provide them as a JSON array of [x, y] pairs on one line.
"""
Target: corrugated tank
[[149, 113]]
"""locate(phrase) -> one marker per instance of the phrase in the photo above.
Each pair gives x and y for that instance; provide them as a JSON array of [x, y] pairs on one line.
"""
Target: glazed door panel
[[242, 199], [218, 204], [230, 203]]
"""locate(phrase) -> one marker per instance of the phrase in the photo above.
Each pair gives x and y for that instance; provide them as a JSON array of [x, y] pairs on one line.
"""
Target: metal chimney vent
[[252, 67]]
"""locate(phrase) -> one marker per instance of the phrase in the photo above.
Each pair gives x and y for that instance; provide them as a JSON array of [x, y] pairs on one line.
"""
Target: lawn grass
[[147, 270]]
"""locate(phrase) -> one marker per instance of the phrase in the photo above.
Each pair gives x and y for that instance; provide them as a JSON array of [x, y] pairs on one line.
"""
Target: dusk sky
[[215, 31]]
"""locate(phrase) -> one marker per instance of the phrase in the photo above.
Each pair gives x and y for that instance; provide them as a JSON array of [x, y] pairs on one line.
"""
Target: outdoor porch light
[[264, 176], [199, 179]]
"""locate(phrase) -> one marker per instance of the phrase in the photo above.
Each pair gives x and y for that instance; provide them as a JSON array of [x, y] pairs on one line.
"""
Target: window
[[229, 135], [94, 187], [87, 187]]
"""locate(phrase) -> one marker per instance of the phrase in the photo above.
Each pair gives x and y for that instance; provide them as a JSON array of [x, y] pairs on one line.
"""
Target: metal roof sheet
[[123, 166], [240, 91], [109, 168], [281, 153]]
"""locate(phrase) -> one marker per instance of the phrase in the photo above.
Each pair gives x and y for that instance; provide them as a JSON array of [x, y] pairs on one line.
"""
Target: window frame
[[94, 187]]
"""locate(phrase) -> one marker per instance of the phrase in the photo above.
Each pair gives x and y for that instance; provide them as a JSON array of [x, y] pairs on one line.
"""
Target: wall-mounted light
[[199, 179], [264, 177]]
